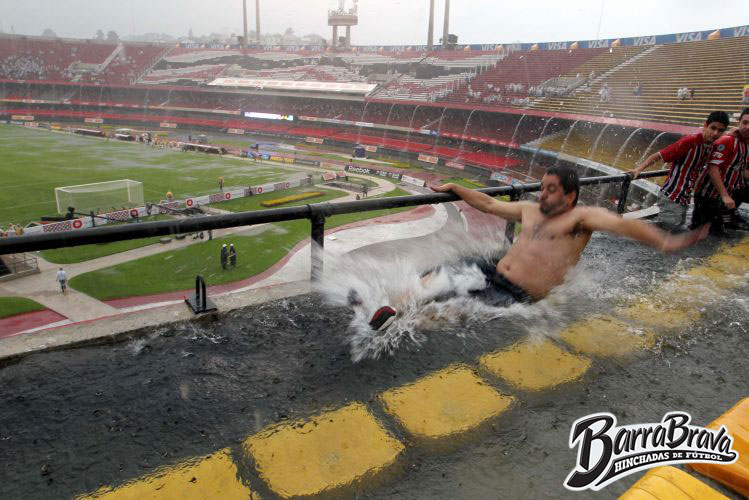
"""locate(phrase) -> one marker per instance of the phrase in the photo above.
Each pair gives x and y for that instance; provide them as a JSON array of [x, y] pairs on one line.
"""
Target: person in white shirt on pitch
[[62, 278]]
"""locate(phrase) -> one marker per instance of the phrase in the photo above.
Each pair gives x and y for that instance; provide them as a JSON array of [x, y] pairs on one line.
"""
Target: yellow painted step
[[670, 483], [735, 475], [214, 476], [535, 365], [322, 453], [660, 314], [444, 403], [606, 336], [676, 303], [730, 264]]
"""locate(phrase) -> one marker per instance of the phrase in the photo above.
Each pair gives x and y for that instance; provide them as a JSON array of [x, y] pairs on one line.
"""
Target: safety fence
[[316, 213]]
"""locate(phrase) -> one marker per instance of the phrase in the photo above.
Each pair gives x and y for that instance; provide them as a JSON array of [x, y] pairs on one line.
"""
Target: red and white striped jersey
[[730, 154], [688, 157]]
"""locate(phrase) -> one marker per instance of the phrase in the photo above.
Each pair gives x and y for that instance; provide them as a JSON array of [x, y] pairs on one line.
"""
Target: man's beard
[[549, 209]]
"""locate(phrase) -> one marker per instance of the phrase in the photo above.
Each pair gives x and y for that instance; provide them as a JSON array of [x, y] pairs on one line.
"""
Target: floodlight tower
[[446, 30], [257, 21], [343, 17], [244, 18], [430, 35]]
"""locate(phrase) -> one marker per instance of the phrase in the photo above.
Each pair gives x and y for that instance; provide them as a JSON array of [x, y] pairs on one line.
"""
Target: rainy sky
[[381, 22]]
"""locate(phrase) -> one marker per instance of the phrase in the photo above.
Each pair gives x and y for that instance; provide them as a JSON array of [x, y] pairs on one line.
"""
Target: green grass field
[[34, 162], [10, 306], [176, 270], [72, 255]]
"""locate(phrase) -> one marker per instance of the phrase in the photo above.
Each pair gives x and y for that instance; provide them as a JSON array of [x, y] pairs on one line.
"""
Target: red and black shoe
[[383, 318]]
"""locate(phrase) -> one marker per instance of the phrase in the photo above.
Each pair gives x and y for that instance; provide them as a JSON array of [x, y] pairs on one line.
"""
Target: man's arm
[[645, 164], [599, 219], [512, 211], [717, 180]]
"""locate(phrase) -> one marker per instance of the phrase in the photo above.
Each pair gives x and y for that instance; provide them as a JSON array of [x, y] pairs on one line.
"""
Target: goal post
[[100, 196]]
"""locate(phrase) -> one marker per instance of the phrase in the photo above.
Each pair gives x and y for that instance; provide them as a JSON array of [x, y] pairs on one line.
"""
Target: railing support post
[[510, 227], [199, 302], [318, 244], [622, 205]]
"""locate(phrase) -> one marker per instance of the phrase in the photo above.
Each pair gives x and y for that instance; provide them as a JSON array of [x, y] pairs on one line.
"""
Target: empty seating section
[[131, 62], [522, 68], [203, 73], [421, 89], [449, 70], [715, 69], [604, 61]]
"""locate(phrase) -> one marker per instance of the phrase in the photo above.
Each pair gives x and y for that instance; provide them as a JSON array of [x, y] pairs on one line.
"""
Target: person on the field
[[232, 255], [224, 256], [62, 279], [688, 158], [554, 234]]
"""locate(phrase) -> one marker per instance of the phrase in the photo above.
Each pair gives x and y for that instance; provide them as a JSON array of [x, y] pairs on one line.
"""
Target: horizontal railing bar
[[107, 234]]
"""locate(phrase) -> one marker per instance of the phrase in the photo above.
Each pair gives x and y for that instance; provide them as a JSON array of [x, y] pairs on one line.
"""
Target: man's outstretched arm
[[599, 219], [510, 210], [650, 160]]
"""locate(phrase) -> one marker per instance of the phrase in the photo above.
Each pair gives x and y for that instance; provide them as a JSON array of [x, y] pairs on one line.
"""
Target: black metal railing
[[316, 213]]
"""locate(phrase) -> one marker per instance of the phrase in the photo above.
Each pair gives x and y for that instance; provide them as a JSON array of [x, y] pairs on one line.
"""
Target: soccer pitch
[[35, 162]]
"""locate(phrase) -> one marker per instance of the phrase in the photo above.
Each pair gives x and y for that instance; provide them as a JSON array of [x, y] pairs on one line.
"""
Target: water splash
[[398, 282]]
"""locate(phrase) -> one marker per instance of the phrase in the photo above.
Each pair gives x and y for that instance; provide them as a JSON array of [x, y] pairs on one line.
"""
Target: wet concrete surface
[[83, 417]]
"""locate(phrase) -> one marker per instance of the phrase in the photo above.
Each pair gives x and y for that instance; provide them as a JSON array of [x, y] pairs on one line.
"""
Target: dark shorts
[[499, 291]]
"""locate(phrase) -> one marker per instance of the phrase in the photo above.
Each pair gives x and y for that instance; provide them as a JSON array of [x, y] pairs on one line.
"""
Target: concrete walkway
[[78, 307], [290, 279]]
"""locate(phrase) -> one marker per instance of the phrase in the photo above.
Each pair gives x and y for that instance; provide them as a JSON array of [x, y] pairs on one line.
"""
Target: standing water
[[78, 418]]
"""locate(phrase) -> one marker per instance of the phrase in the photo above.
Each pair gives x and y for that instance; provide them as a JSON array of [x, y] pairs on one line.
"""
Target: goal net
[[102, 196]]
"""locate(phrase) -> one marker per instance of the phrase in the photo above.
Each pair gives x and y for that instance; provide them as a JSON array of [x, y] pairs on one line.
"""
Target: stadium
[[132, 165]]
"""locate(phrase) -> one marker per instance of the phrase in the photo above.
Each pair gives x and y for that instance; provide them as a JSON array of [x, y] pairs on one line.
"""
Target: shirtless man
[[554, 234]]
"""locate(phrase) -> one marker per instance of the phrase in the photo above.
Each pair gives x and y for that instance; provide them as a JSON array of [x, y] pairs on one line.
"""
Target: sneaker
[[737, 223], [383, 318]]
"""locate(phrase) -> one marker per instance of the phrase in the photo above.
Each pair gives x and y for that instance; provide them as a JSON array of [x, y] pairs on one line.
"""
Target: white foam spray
[[397, 282]]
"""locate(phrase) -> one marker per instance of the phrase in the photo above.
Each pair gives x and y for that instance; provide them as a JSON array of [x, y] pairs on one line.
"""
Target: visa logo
[[741, 31], [598, 44], [688, 37], [644, 40], [556, 45]]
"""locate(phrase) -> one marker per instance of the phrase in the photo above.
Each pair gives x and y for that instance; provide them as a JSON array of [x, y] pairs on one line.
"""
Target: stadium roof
[[307, 85]]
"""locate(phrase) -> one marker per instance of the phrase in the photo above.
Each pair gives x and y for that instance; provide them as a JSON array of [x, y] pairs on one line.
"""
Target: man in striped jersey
[[723, 187], [688, 158]]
